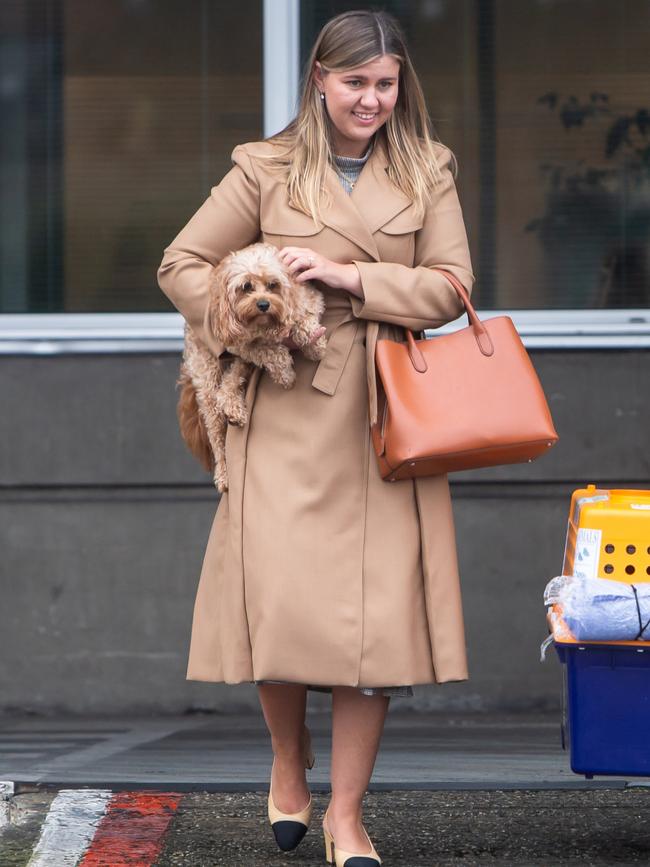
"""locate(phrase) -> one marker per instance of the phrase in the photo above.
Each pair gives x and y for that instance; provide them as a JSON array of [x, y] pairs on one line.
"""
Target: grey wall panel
[[100, 597], [104, 518], [600, 403], [92, 420]]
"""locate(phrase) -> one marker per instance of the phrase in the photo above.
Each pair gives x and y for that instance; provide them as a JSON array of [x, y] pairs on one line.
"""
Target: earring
[[322, 95]]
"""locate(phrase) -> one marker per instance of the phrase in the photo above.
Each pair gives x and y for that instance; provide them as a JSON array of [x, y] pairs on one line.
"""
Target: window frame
[[65, 333]]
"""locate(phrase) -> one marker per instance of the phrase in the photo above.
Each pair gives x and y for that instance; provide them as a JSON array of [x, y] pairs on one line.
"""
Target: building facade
[[118, 118]]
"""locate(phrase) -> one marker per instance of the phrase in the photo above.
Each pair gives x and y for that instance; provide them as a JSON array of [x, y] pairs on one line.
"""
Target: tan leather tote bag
[[458, 401]]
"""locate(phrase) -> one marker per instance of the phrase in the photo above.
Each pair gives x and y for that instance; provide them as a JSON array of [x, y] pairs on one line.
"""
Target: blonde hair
[[304, 148]]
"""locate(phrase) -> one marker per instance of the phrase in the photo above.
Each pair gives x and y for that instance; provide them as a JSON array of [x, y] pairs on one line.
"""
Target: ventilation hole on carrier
[[647, 570], [609, 568], [609, 549], [629, 569], [631, 549]]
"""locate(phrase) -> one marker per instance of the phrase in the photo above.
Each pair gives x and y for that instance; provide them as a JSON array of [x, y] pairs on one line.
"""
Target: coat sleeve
[[418, 297], [228, 220]]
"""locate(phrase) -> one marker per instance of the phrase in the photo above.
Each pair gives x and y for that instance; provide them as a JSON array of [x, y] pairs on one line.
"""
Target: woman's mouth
[[364, 118]]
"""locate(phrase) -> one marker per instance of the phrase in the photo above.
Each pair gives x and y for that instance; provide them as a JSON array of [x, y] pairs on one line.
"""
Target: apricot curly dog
[[254, 304]]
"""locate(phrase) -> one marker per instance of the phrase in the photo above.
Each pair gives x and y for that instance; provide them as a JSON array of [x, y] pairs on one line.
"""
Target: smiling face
[[359, 101]]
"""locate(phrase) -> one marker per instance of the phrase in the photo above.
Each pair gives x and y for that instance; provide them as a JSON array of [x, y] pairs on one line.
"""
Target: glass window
[[117, 118], [546, 104]]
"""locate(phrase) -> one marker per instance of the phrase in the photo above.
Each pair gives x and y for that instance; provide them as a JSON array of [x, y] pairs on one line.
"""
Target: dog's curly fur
[[254, 303]]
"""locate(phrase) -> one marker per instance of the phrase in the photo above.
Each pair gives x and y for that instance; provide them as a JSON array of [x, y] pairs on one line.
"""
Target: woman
[[318, 574]]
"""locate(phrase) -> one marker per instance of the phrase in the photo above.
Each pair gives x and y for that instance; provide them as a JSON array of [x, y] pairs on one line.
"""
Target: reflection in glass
[[546, 105], [118, 118]]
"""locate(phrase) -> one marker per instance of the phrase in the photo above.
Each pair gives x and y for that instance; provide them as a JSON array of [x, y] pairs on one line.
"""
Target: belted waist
[[339, 344]]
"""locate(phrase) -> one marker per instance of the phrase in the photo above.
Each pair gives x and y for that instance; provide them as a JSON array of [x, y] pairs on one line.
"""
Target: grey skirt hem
[[366, 690]]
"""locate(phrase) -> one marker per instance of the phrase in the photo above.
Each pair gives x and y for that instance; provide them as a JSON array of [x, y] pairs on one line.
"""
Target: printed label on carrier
[[585, 562]]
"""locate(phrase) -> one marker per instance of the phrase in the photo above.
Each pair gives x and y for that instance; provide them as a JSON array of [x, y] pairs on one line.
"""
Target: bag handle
[[417, 358], [480, 332]]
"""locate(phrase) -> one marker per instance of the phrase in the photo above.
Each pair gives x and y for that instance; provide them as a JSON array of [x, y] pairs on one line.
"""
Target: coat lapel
[[373, 202], [374, 197], [357, 216]]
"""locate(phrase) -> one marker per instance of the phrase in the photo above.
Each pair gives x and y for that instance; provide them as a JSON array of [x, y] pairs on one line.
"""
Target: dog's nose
[[263, 305]]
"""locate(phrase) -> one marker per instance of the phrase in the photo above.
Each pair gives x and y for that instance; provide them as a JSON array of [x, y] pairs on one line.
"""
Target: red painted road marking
[[131, 832]]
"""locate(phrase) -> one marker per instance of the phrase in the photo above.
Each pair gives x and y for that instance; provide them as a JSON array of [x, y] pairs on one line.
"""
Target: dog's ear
[[223, 322], [292, 295]]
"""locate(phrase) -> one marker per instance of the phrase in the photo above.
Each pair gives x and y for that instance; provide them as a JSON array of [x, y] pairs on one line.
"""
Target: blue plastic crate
[[608, 697]]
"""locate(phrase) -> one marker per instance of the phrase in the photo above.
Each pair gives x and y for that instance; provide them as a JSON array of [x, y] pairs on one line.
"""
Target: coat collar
[[371, 204]]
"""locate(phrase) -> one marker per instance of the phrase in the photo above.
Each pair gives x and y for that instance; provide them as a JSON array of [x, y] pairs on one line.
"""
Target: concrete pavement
[[231, 752], [461, 789]]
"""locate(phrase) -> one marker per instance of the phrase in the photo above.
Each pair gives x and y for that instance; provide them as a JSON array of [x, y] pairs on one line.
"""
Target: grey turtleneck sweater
[[349, 169]]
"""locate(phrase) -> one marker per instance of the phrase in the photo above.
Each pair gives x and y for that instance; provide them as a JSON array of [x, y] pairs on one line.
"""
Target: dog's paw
[[321, 346], [238, 417], [233, 407], [279, 367], [315, 351], [286, 377]]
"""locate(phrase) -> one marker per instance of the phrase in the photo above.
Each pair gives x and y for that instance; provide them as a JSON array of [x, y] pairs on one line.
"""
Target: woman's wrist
[[351, 280]]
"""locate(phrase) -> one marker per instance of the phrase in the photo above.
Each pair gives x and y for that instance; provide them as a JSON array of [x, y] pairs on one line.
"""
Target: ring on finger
[[311, 262]]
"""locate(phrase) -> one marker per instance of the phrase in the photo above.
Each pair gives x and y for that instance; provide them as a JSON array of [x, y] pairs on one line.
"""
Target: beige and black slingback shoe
[[290, 828]]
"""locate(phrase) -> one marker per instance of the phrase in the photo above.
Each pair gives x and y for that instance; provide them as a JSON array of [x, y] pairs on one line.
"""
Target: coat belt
[[339, 344]]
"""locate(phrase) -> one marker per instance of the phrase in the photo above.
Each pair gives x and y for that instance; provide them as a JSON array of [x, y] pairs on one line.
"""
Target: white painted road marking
[[69, 827]]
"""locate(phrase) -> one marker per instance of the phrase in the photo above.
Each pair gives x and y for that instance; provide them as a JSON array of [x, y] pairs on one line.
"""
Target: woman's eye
[[384, 84], [247, 286]]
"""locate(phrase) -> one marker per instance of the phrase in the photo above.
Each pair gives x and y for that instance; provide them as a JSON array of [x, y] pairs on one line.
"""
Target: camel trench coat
[[316, 570]]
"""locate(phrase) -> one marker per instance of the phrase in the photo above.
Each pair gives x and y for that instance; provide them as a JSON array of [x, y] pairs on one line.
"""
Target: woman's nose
[[369, 100]]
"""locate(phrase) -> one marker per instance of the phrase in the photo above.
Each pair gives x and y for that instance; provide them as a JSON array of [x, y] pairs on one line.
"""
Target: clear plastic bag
[[598, 609]]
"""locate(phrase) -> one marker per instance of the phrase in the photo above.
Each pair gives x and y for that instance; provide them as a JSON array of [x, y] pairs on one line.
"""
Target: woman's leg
[[357, 725], [284, 707]]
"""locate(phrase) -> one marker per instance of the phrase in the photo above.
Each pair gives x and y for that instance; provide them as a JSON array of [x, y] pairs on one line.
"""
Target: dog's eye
[[273, 284], [247, 286]]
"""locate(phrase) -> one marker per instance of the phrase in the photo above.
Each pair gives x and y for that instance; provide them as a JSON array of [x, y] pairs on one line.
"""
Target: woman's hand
[[304, 264]]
